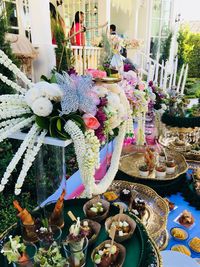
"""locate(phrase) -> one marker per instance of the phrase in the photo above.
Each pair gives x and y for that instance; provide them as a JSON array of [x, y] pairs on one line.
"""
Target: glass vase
[[50, 173]]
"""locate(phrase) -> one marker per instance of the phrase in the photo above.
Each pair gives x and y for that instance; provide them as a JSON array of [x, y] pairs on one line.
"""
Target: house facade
[[147, 20]]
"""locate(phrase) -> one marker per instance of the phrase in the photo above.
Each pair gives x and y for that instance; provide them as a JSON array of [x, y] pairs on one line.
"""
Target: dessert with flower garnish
[[90, 229], [110, 196], [186, 219], [15, 252], [125, 195], [96, 209], [170, 167], [170, 204], [162, 156], [179, 234], [144, 171], [47, 233], [195, 244], [108, 255], [75, 243], [160, 171], [138, 207], [125, 226]]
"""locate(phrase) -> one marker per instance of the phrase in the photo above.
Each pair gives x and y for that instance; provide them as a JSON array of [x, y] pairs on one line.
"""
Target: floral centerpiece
[[139, 97], [66, 107]]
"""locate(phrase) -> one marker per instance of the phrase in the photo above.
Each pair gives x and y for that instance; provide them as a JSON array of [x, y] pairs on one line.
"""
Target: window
[[90, 9], [161, 15], [10, 8]]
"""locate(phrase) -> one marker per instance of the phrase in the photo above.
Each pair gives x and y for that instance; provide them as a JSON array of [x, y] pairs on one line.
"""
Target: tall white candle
[[184, 80], [161, 74], [180, 78], [165, 76], [175, 71]]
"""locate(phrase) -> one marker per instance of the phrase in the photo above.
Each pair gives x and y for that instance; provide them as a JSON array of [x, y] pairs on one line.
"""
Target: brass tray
[[130, 163], [107, 80], [186, 150], [163, 240], [157, 210]]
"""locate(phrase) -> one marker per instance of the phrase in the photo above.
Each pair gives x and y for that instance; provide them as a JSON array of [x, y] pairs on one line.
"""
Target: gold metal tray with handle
[[130, 163], [155, 218]]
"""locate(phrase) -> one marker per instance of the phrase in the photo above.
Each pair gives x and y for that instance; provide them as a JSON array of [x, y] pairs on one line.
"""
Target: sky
[[189, 9]]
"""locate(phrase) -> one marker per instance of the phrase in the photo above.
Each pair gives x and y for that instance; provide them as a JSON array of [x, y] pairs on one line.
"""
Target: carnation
[[42, 107]]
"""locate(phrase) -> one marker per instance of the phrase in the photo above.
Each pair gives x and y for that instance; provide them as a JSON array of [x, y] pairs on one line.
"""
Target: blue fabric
[[194, 231]]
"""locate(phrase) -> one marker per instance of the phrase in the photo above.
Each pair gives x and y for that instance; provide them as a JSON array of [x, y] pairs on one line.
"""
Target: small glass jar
[[47, 237], [54, 218], [29, 233], [30, 251], [76, 253]]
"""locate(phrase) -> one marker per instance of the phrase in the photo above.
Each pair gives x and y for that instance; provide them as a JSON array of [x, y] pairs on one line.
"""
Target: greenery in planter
[[192, 88]]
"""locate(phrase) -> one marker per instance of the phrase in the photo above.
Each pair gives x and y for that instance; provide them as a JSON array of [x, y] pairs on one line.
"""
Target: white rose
[[42, 107], [53, 92], [113, 100], [163, 106], [32, 94]]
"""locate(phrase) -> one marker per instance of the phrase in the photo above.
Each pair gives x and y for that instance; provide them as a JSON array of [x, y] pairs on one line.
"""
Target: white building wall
[[41, 38]]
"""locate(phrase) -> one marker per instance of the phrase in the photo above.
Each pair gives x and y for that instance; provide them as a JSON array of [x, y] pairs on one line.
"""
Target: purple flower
[[150, 83], [72, 71]]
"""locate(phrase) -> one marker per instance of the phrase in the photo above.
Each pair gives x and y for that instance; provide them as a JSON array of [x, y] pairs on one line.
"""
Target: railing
[[86, 57], [164, 74]]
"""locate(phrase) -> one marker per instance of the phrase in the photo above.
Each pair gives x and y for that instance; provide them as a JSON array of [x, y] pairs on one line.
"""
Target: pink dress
[[79, 39]]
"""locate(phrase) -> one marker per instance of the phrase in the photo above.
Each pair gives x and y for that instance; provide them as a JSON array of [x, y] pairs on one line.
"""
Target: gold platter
[[187, 150], [107, 80], [162, 240], [157, 210], [130, 163]]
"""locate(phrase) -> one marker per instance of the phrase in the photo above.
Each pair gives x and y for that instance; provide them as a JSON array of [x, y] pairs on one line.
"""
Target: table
[[194, 231]]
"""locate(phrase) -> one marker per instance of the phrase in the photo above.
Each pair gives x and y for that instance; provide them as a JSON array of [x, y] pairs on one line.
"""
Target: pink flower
[[91, 122], [96, 73], [141, 86]]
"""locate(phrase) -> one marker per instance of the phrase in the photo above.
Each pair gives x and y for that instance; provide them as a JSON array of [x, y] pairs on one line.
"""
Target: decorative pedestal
[[50, 170]]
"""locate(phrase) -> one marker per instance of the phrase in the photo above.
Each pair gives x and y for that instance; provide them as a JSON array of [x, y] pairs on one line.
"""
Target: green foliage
[[189, 51], [5, 47], [64, 57], [194, 56], [192, 88], [8, 212]]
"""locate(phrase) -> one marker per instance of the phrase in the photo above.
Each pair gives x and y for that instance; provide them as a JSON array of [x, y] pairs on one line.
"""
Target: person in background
[[77, 25], [57, 23], [113, 31]]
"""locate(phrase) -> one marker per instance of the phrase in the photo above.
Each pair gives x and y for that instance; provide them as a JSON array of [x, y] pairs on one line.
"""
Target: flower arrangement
[[134, 44], [66, 107]]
